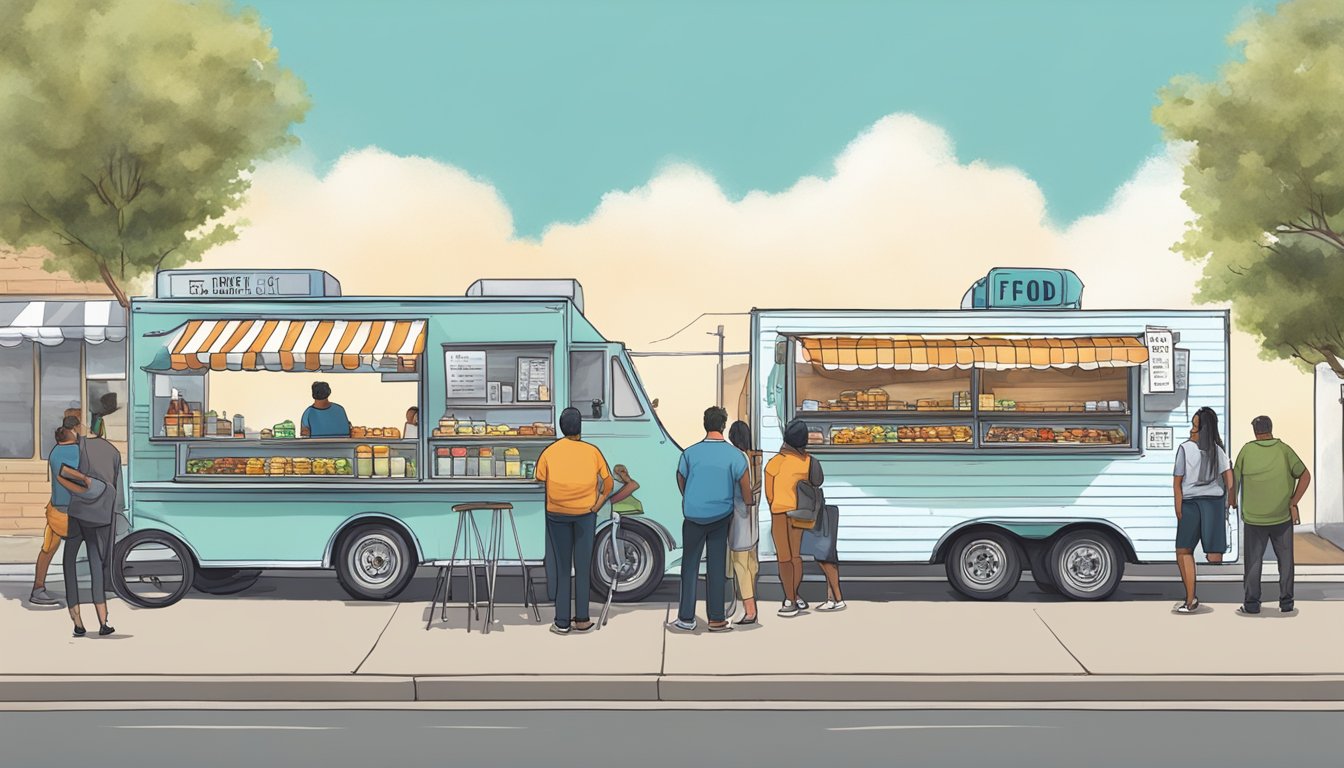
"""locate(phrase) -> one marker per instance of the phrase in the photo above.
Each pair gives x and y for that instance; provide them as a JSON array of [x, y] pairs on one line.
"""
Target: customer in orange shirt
[[782, 475], [578, 483]]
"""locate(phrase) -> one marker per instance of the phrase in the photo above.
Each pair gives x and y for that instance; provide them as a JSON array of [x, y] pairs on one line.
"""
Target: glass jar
[[443, 462], [363, 461], [382, 461], [487, 459], [513, 463], [459, 462]]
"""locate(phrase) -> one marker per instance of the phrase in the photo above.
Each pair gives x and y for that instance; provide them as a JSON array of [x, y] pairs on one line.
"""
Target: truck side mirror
[[597, 409], [781, 351]]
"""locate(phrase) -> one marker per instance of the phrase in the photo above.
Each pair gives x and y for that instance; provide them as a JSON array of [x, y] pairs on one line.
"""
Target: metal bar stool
[[467, 531], [499, 513]]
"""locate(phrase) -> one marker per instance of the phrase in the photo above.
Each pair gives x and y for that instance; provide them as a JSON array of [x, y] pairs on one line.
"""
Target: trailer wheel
[[152, 569], [641, 568], [1038, 558], [1087, 564], [985, 565], [374, 562]]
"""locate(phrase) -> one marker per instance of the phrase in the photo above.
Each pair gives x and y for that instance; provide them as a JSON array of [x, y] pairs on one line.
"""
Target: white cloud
[[900, 222]]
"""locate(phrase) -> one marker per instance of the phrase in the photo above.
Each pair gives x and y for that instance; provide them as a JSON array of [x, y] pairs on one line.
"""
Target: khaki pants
[[746, 566]]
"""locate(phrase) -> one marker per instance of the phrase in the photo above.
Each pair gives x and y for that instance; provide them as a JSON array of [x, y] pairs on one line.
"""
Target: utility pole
[[718, 382]]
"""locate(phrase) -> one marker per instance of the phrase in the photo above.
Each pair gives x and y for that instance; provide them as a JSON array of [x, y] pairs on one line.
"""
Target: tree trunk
[[111, 282]]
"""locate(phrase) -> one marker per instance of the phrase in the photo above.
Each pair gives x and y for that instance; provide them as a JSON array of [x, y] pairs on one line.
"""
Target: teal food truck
[[221, 497], [1018, 432]]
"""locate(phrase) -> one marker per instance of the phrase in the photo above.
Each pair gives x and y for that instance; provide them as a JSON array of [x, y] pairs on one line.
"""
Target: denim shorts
[[1203, 519]]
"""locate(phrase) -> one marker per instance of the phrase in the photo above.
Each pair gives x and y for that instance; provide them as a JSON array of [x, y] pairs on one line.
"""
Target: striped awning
[[51, 322], [921, 353], [289, 345]]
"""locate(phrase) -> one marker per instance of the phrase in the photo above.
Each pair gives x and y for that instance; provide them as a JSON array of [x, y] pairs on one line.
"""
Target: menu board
[[534, 379], [1161, 364], [466, 374]]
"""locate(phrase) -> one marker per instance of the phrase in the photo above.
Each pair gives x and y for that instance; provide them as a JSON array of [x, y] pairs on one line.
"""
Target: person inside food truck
[[324, 418], [412, 427]]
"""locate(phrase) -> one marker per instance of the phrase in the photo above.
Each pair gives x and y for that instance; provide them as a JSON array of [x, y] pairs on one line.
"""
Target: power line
[[701, 316]]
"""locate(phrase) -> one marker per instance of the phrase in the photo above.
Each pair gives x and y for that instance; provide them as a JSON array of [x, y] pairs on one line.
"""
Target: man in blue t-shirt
[[324, 418], [711, 474]]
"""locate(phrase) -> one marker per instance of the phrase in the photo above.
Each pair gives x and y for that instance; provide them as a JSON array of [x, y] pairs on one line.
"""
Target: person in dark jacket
[[96, 500]]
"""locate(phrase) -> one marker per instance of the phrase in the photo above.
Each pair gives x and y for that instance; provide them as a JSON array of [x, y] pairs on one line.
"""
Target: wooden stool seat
[[489, 505]]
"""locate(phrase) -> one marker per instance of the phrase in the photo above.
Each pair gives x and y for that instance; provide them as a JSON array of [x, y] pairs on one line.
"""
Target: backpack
[[811, 501]]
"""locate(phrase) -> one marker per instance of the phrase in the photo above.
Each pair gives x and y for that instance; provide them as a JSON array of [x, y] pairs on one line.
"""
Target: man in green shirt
[[1272, 480]]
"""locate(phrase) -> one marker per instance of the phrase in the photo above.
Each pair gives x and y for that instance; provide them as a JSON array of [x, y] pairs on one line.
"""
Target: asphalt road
[[648, 739]]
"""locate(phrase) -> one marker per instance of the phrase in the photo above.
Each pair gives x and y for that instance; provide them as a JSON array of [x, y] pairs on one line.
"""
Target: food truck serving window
[[968, 393], [255, 398]]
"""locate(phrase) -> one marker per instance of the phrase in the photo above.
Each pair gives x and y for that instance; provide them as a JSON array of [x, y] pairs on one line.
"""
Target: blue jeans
[[711, 540], [571, 541]]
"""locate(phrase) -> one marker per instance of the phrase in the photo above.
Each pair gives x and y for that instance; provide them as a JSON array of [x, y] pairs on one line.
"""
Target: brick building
[[62, 345]]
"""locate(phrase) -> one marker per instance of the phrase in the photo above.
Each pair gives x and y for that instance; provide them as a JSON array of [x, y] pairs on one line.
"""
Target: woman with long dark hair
[[1202, 485], [744, 536]]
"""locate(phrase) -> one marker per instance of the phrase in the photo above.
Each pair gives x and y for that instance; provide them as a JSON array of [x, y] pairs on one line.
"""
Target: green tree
[[128, 129], [1265, 180]]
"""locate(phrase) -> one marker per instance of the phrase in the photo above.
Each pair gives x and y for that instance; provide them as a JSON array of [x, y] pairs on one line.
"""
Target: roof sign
[[1025, 288]]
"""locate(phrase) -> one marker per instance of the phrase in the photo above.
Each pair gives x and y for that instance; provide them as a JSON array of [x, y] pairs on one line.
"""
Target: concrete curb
[[671, 688]]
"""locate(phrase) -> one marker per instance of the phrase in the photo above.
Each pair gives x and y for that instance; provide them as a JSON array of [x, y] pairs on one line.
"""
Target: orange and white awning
[[921, 353], [291, 345]]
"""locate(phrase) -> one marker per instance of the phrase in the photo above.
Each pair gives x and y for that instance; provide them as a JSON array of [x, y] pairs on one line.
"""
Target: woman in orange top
[[782, 475]]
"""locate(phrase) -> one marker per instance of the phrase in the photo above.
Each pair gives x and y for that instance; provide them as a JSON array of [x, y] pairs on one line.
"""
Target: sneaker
[[42, 597], [831, 605], [1290, 608], [788, 609], [682, 626], [724, 627], [802, 604], [559, 630], [1188, 607], [579, 627], [1244, 611]]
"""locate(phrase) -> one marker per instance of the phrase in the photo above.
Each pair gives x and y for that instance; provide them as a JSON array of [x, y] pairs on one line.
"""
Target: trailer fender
[[369, 517], [1033, 531]]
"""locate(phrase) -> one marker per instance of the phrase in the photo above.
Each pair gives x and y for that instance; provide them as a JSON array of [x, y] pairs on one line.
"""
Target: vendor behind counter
[[324, 418]]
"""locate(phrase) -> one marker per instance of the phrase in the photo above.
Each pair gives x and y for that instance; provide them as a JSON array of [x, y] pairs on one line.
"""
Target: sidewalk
[[267, 649]]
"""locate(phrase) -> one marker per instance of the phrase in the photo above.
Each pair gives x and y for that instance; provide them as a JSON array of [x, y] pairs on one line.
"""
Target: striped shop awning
[[921, 353], [51, 322], [289, 345]]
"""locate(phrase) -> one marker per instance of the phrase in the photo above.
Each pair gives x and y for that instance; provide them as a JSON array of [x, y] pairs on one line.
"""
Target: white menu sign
[[534, 379], [1159, 438], [466, 374], [1161, 361]]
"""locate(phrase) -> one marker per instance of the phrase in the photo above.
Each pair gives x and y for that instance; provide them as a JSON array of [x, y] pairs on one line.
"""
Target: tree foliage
[[128, 129], [1266, 180]]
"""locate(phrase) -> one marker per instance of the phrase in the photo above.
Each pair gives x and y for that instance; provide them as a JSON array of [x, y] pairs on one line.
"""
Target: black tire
[[1038, 559], [375, 561], [984, 565], [1087, 564], [224, 581], [644, 560], [152, 558]]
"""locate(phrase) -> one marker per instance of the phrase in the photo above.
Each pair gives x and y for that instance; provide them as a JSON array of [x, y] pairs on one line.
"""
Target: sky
[[711, 160], [557, 103]]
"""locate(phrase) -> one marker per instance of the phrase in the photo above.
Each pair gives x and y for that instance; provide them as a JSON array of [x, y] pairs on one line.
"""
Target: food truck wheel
[[1087, 565], [152, 569], [1038, 556], [224, 581], [374, 562], [985, 564], [641, 566]]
